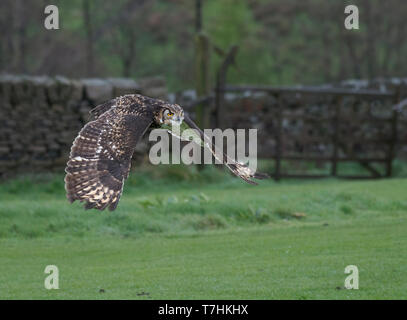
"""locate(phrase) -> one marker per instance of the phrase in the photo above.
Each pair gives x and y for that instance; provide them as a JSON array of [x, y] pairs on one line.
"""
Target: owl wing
[[100, 157], [239, 169], [102, 108]]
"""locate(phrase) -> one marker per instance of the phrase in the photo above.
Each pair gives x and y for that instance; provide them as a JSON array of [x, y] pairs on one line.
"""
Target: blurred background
[[327, 103], [281, 42]]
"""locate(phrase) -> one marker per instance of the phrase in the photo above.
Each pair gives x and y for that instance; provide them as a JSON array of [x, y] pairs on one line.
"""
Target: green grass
[[181, 235]]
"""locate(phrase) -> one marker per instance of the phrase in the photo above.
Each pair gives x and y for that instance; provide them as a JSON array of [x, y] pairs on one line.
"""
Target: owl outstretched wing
[[237, 168], [100, 157]]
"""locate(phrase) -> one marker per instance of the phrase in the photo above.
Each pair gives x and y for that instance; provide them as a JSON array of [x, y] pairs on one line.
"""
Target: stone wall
[[40, 116]]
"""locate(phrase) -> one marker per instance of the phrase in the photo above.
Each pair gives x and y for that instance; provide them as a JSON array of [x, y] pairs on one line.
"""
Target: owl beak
[[177, 120]]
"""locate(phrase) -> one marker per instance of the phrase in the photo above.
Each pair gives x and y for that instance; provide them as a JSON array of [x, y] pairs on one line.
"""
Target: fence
[[317, 124]]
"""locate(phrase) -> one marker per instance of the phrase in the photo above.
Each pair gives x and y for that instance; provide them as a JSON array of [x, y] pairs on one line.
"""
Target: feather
[[102, 108]]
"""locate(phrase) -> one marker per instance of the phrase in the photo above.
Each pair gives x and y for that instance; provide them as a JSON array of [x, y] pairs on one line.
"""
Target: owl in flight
[[101, 154]]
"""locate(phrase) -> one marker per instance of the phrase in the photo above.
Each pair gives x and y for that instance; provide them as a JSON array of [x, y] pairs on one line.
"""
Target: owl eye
[[168, 113]]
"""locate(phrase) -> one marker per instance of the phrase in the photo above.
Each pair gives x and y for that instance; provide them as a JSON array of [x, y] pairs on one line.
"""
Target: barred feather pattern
[[100, 158]]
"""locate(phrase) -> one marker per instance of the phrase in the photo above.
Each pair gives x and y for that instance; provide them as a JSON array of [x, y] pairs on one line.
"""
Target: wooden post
[[87, 18], [393, 141], [279, 134], [202, 66], [392, 145], [220, 84], [202, 84], [335, 138], [198, 16]]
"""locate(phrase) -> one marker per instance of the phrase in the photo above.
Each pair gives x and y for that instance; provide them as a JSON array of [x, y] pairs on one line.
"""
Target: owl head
[[170, 114]]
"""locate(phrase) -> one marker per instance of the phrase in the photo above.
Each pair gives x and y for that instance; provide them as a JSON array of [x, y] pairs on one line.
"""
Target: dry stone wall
[[40, 116]]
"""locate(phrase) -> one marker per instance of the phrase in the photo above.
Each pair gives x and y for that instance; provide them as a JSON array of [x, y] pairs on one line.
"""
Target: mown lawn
[[188, 236]]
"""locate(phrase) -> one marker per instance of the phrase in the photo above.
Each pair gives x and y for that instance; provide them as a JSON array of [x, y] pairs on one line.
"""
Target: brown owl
[[101, 154]]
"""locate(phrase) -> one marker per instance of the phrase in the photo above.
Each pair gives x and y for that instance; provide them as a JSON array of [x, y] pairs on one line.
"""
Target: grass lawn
[[183, 237]]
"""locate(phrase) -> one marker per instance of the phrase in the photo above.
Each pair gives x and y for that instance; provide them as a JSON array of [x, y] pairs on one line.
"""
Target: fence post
[[220, 83], [393, 140], [335, 138], [279, 134], [202, 61]]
